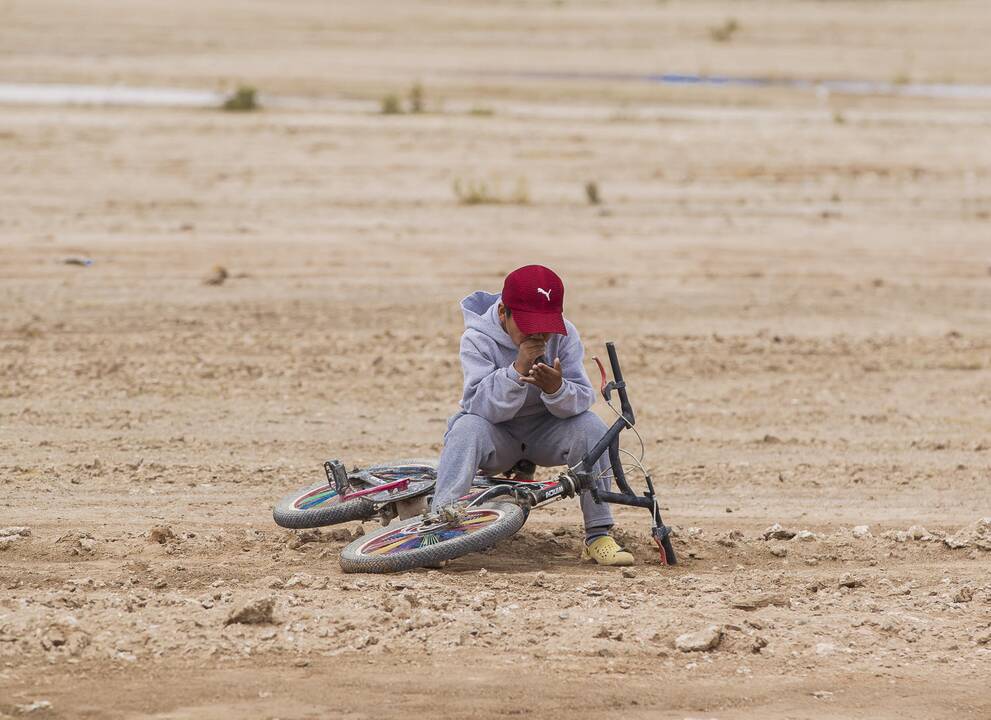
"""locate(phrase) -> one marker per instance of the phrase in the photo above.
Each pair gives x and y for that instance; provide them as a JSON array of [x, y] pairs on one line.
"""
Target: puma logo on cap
[[545, 293]]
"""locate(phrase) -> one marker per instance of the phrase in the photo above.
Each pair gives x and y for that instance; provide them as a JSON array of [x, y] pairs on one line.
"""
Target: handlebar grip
[[614, 362]]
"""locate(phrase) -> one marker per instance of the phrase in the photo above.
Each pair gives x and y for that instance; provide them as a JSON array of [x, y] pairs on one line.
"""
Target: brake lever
[[605, 388]]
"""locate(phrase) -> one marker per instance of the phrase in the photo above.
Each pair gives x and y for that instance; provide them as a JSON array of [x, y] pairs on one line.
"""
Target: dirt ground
[[799, 287]]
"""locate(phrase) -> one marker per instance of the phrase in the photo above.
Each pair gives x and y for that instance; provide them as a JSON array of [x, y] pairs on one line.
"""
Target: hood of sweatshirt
[[481, 312]]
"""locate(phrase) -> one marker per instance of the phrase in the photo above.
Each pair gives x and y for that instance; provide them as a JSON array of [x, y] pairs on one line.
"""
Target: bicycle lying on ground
[[399, 492]]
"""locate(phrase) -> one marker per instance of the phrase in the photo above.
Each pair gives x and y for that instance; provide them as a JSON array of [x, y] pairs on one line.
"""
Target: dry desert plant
[[473, 191], [724, 32], [391, 105], [244, 99], [416, 98]]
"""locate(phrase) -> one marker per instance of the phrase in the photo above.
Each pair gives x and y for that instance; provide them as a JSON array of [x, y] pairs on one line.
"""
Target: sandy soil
[[800, 289]]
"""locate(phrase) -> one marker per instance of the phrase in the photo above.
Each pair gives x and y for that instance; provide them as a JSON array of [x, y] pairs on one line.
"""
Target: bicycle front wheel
[[422, 542]]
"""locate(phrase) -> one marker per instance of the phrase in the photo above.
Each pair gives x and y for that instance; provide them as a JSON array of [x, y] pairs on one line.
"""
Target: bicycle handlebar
[[614, 362], [619, 384]]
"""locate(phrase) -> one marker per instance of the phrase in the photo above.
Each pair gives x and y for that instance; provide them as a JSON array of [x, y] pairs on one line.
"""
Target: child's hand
[[530, 349], [545, 377]]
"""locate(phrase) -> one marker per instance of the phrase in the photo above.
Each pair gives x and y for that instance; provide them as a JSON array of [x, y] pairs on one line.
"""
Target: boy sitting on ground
[[515, 405]]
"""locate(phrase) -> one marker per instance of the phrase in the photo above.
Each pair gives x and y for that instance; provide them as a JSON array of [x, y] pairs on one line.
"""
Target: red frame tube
[[401, 484]]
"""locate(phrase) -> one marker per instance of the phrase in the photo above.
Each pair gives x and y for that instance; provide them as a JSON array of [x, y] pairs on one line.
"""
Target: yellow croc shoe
[[606, 551]]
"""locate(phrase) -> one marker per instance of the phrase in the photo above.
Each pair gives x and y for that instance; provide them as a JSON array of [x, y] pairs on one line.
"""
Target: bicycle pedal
[[337, 476]]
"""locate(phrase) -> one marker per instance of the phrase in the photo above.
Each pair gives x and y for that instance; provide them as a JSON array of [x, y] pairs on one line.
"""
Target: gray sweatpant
[[472, 442]]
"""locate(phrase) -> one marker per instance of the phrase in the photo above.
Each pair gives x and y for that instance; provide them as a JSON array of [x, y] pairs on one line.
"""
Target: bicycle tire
[[326, 509], [380, 551]]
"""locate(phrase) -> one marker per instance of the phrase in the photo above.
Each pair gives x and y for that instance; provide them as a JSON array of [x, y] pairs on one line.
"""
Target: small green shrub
[[724, 32], [416, 98], [391, 105], [244, 99], [482, 192]]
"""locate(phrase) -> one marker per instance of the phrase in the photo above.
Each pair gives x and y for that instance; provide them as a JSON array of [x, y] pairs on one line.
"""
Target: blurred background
[[234, 236]]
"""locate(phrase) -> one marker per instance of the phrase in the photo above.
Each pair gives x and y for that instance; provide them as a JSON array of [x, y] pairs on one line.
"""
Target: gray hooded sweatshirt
[[493, 389]]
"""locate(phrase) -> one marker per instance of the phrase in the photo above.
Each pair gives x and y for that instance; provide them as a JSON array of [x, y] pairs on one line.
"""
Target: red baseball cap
[[535, 294]]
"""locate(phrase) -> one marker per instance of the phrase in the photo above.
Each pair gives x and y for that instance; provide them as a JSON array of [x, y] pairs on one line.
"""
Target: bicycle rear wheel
[[422, 542], [318, 504]]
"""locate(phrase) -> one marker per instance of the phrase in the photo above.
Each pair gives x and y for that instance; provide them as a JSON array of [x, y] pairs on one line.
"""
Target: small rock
[[271, 582], [729, 539], [483, 572], [629, 572], [917, 532], [253, 612], [825, 648], [301, 537], [805, 536], [160, 584], [87, 544], [955, 542], [822, 694], [161, 534], [849, 581], [779, 551], [702, 640], [217, 276], [18, 530], [963, 595], [365, 641], [759, 601], [559, 531], [53, 638], [983, 637], [302, 580], [339, 534], [861, 532], [776, 532], [978, 535], [33, 707]]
